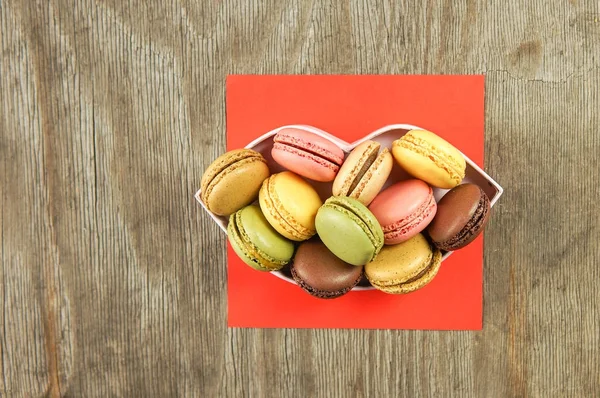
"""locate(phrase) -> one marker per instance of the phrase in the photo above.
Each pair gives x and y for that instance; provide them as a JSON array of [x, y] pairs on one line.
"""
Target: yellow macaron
[[290, 205], [430, 158], [405, 267]]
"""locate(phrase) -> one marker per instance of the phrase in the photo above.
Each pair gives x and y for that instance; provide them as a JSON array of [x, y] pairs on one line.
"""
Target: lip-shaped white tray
[[385, 136]]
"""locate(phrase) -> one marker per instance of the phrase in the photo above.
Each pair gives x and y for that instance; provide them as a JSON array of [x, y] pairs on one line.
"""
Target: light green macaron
[[256, 242], [349, 230]]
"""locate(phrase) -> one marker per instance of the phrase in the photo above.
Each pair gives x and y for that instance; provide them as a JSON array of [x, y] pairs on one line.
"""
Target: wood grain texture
[[113, 280]]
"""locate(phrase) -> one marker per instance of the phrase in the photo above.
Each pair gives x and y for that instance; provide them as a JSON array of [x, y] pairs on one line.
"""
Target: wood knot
[[527, 58]]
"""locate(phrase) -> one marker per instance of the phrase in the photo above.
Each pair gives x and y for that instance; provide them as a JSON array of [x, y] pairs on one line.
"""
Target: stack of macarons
[[393, 237]]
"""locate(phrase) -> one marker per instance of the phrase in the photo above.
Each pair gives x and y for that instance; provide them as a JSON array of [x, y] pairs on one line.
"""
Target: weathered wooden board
[[113, 280]]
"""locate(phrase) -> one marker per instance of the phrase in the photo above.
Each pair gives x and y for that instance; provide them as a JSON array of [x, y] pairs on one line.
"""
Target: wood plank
[[113, 280]]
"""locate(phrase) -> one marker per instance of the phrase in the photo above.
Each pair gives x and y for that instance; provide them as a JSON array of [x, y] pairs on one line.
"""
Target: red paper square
[[351, 107]]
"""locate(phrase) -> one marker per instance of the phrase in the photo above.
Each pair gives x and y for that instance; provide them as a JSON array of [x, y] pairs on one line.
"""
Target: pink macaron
[[307, 154], [404, 209]]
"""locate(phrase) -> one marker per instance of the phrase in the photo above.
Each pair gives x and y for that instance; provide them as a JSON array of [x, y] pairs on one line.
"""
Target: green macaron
[[349, 230], [256, 242]]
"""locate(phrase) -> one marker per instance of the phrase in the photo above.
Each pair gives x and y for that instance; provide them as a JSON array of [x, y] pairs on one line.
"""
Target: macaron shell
[[321, 274], [371, 177], [224, 161], [349, 230], [430, 158], [311, 142], [239, 248], [264, 236], [352, 166], [423, 280], [412, 225], [404, 210], [307, 154], [374, 179], [342, 234], [462, 215], [304, 164], [405, 267], [367, 218], [256, 242], [235, 186], [290, 205]]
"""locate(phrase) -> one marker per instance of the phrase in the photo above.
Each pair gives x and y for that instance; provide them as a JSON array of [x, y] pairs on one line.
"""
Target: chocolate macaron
[[461, 216], [320, 273]]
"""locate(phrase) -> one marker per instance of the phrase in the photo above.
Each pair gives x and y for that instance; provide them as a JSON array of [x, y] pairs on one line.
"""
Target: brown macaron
[[461, 216], [320, 273]]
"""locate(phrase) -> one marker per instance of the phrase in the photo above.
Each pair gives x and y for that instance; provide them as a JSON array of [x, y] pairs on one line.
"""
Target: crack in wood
[[570, 76]]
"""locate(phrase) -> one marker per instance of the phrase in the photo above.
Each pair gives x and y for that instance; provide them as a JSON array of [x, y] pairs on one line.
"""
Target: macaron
[[404, 209], [256, 242], [364, 172], [307, 154], [462, 215], [290, 205], [349, 230], [427, 156], [320, 273], [405, 267], [233, 181]]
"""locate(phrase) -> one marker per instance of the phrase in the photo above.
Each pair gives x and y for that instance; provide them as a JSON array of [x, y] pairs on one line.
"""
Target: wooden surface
[[113, 280]]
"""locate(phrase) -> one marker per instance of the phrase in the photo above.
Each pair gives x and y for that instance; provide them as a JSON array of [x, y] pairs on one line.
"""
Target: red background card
[[350, 107]]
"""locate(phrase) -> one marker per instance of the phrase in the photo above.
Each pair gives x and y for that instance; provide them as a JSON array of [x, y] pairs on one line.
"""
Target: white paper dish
[[385, 136]]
